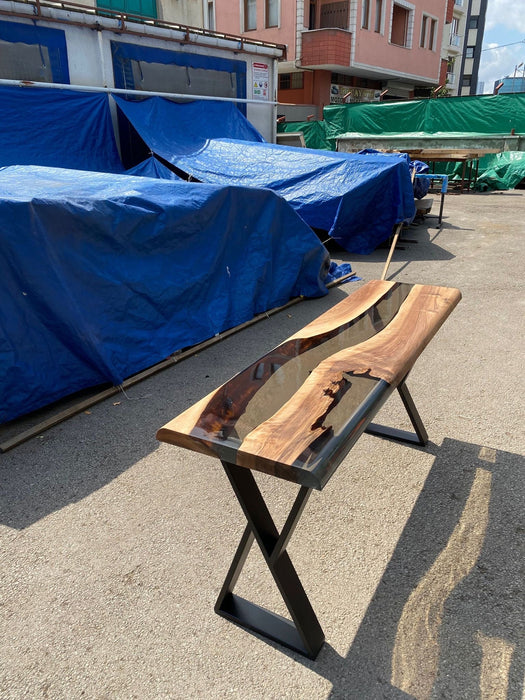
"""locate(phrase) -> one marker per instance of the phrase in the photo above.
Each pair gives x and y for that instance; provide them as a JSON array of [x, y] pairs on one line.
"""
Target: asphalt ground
[[113, 547]]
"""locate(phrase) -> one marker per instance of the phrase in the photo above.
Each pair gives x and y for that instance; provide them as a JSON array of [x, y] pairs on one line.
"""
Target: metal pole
[[137, 93]]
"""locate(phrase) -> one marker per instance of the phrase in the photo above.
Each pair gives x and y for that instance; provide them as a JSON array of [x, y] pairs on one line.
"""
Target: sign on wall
[[260, 80], [339, 94]]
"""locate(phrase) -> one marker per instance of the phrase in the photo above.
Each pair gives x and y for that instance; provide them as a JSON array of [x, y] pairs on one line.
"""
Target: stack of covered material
[[104, 275], [357, 199]]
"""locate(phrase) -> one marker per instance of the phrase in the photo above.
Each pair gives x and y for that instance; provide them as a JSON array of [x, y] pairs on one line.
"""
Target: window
[[379, 16], [139, 67], [473, 22], [311, 18], [341, 79], [469, 52], [334, 14], [366, 14], [433, 34], [250, 15], [272, 13], [211, 16], [144, 8], [400, 18], [423, 37], [451, 78], [466, 81], [34, 53], [291, 81]]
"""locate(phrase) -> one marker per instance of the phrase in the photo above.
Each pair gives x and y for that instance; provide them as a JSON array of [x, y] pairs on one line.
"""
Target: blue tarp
[[356, 198], [420, 187], [151, 167], [103, 275], [185, 128], [58, 128]]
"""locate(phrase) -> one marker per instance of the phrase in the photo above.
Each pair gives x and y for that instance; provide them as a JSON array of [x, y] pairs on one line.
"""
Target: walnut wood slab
[[297, 411]]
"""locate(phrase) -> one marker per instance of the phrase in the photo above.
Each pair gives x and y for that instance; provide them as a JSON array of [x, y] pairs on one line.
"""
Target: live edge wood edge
[[297, 411]]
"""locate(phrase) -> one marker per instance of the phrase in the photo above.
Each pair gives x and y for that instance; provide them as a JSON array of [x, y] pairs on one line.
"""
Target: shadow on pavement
[[447, 619]]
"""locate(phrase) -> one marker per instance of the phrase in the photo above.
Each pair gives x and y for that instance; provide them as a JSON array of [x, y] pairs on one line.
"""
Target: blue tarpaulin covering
[[420, 187], [58, 128], [356, 198], [103, 275], [186, 128], [151, 167]]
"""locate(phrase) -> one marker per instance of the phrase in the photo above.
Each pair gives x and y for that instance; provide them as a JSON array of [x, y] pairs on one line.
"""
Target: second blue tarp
[[357, 199]]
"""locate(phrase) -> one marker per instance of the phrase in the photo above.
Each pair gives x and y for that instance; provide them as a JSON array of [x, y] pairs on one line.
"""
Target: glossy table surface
[[297, 411]]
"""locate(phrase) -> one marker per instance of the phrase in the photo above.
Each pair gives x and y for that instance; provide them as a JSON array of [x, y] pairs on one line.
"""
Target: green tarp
[[501, 171], [496, 171], [370, 118], [478, 115], [486, 114], [314, 134]]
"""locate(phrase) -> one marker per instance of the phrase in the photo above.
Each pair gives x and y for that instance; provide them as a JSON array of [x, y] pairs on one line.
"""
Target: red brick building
[[348, 50]]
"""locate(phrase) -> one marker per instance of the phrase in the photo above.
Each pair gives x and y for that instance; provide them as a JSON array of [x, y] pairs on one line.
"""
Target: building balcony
[[455, 40], [451, 78], [326, 48]]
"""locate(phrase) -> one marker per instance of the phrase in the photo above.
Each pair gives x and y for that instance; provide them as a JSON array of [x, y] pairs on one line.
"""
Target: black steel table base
[[303, 632], [419, 437]]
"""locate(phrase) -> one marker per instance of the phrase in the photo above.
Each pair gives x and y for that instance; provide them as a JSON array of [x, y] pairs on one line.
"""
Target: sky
[[505, 24]]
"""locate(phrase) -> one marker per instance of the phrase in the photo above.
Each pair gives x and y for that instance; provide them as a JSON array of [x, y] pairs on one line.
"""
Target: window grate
[[334, 14]]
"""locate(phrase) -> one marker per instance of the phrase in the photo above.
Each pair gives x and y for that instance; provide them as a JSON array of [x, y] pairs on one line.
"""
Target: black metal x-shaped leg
[[420, 437], [303, 633]]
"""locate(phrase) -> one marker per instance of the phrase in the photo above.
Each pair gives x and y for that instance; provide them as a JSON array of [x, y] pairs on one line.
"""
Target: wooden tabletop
[[444, 154], [297, 411]]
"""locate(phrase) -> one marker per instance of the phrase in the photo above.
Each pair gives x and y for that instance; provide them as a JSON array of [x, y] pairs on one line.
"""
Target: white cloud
[[505, 13], [496, 63]]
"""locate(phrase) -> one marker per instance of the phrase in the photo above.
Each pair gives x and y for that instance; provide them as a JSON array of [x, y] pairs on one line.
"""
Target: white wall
[[189, 12], [84, 58]]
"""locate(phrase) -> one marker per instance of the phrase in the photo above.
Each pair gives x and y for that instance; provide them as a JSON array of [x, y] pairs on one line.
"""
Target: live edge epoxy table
[[296, 413]]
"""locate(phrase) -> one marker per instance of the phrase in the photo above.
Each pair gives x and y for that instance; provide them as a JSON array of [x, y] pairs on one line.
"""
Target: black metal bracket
[[419, 437], [303, 632]]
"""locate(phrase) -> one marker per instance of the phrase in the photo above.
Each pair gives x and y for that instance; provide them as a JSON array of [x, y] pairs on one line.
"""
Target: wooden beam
[[391, 251]]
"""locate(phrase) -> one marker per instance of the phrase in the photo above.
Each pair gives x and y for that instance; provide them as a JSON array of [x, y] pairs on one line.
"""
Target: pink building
[[352, 50]]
